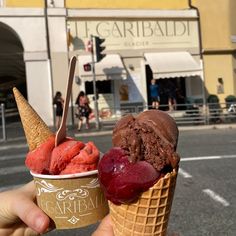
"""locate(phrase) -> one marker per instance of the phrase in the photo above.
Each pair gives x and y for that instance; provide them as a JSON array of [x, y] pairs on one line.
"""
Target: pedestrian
[[171, 93], [19, 214], [83, 110], [154, 93], [58, 101], [220, 86]]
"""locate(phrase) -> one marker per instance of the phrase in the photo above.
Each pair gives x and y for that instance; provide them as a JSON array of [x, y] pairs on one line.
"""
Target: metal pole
[[204, 105], [3, 122], [94, 85], [48, 47]]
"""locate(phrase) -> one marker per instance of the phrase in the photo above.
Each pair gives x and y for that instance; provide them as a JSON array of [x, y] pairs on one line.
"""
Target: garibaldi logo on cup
[[71, 201]]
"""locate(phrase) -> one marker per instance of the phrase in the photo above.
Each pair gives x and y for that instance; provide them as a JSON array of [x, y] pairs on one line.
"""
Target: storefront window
[[102, 87]]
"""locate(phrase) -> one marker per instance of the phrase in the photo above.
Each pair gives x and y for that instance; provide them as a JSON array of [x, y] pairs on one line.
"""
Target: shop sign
[[137, 34]]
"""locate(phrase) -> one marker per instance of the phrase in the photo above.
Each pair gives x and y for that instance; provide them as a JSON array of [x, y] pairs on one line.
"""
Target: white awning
[[110, 67], [172, 64]]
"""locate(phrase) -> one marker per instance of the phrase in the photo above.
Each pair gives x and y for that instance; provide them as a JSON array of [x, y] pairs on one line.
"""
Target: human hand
[[105, 228], [19, 215]]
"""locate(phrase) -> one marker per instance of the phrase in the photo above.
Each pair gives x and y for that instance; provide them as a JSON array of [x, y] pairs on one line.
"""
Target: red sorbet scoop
[[123, 181]]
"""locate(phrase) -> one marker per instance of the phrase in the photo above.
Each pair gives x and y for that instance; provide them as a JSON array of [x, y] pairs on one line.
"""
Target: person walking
[[171, 91], [154, 93], [58, 101], [84, 109]]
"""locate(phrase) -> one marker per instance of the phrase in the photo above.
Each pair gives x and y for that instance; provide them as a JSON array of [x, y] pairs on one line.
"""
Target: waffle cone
[[149, 214], [36, 131]]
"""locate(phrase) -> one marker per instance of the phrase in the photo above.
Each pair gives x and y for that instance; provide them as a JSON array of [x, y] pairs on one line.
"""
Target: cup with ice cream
[[65, 176], [138, 175]]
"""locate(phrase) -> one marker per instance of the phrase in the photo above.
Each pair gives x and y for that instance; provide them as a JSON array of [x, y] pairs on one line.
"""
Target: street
[[204, 202]]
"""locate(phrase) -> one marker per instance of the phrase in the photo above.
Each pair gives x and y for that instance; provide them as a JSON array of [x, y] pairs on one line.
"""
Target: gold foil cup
[[71, 201]]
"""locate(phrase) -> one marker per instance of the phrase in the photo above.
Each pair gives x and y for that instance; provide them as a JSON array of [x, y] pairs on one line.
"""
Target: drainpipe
[[68, 59], [47, 28], [199, 27], [49, 52], [201, 54]]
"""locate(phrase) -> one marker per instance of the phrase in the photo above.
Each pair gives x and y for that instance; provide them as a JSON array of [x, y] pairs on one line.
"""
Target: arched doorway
[[12, 66]]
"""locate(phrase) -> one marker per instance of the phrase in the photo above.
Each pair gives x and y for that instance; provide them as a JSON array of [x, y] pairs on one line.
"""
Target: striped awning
[[172, 64]]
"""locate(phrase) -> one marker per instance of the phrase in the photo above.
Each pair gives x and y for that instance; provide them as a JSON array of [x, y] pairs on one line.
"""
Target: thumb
[[105, 228], [24, 207]]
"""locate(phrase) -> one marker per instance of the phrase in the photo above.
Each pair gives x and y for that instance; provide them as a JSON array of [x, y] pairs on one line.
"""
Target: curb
[[98, 133], [109, 132], [207, 127], [181, 128]]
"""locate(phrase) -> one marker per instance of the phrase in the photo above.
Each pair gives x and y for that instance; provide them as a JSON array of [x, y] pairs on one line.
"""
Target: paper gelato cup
[[71, 201]]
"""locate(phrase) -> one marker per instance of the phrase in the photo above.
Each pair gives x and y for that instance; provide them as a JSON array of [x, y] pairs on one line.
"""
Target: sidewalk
[[15, 132]]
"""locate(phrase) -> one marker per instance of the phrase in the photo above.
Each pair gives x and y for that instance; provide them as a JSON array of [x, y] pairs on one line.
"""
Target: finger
[[105, 228], [31, 215], [18, 230], [24, 207]]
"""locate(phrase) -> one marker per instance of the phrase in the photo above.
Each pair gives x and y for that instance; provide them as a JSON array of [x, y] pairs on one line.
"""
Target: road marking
[[184, 173], [13, 170], [216, 197], [23, 155], [14, 146], [90, 134], [207, 158], [12, 157]]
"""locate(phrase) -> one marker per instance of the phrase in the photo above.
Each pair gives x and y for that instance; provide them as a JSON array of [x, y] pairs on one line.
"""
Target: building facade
[[218, 45], [167, 40]]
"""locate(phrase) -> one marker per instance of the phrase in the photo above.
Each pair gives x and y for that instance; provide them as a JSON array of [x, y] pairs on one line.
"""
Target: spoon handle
[[61, 133]]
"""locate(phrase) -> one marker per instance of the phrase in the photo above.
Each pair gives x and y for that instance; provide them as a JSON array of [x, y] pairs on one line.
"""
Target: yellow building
[[218, 33], [182, 40]]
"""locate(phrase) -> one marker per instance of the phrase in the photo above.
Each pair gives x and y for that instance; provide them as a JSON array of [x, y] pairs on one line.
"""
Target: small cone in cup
[[71, 201], [149, 214], [36, 131]]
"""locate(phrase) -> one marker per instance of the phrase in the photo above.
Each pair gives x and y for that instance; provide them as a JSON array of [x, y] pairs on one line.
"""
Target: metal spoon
[[61, 133]]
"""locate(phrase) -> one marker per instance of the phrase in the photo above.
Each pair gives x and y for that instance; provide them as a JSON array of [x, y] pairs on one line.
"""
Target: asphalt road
[[205, 196]]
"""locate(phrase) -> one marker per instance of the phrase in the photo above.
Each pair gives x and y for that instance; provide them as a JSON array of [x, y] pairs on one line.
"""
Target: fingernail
[[40, 224]]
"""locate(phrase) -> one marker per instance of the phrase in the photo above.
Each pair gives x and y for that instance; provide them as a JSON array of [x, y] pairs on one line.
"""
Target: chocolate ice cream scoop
[[151, 136]]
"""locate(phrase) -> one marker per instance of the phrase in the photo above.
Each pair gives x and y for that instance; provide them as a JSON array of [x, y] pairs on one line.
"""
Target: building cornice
[[15, 12], [57, 12], [219, 51], [127, 13], [31, 12], [95, 13]]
